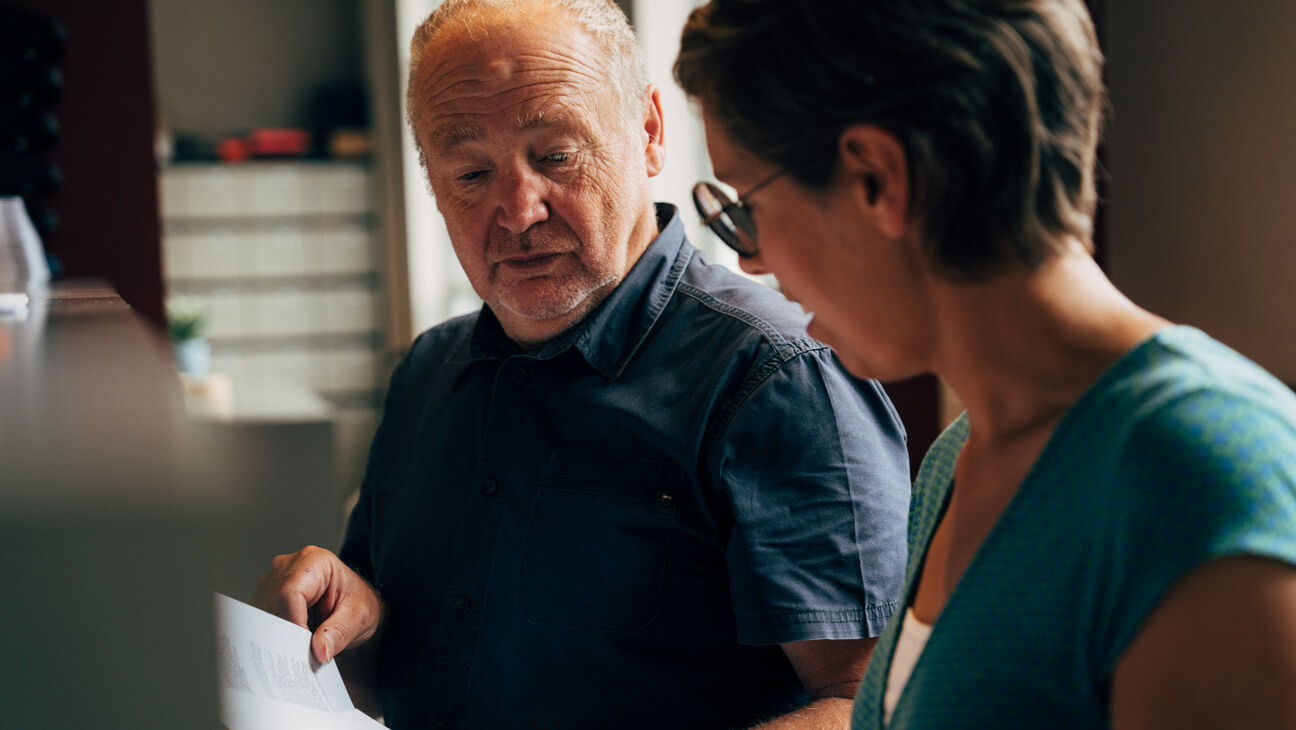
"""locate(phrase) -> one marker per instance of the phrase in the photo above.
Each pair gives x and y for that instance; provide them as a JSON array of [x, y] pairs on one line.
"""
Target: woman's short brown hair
[[997, 103]]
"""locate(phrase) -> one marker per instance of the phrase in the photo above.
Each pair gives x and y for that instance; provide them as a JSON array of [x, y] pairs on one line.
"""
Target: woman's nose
[[753, 264]]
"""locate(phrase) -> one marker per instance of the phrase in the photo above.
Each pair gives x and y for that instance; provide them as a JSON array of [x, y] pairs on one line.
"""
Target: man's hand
[[313, 582]]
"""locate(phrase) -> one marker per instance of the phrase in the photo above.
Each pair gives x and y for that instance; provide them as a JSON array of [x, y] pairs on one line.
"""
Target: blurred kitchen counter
[[120, 514]]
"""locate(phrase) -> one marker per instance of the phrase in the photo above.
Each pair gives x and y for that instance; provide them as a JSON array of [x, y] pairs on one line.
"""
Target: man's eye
[[557, 157], [471, 176]]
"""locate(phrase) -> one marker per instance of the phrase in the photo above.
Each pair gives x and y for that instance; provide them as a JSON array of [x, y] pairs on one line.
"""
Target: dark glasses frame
[[729, 219]]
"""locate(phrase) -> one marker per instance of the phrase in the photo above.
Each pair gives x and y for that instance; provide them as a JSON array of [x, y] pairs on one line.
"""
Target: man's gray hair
[[603, 20]]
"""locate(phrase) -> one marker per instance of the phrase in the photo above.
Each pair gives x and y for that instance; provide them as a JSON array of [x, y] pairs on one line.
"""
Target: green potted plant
[[186, 323]]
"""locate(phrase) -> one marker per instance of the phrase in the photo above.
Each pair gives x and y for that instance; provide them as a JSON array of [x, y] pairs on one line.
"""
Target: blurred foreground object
[[22, 257], [120, 514], [112, 541]]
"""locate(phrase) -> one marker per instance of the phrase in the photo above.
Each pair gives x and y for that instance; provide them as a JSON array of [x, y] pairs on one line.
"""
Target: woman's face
[[866, 290]]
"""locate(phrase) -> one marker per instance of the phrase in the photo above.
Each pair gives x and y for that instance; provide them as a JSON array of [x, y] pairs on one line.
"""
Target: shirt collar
[[610, 335]]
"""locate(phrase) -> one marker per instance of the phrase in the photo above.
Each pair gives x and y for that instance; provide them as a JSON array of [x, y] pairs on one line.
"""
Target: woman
[[1107, 536]]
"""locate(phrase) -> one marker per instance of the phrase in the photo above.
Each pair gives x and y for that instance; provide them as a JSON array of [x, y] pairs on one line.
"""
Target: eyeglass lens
[[726, 218]]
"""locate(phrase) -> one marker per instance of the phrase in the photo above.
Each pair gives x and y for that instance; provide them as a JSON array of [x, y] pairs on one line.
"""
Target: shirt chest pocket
[[597, 542]]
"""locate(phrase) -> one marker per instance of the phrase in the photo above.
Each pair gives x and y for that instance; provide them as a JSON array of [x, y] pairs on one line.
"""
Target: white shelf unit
[[285, 259]]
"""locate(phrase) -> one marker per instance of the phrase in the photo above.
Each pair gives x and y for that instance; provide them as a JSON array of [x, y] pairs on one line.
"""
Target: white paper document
[[269, 679]]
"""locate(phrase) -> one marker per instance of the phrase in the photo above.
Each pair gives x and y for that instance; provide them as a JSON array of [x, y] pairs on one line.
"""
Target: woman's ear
[[875, 166]]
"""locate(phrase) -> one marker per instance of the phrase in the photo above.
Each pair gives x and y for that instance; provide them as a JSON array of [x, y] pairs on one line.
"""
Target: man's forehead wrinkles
[[538, 97], [545, 60], [459, 127], [485, 66], [537, 118], [473, 89], [559, 81]]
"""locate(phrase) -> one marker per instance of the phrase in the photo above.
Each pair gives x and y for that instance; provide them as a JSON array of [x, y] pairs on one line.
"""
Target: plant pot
[[193, 357]]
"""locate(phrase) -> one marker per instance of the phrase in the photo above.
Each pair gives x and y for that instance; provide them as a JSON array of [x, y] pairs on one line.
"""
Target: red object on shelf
[[232, 149], [278, 142]]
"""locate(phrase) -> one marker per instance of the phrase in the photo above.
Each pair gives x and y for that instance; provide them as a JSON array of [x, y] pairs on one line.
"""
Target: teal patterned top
[[1182, 452]]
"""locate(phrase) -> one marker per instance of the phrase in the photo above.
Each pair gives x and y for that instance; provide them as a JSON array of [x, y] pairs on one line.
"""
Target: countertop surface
[[90, 405]]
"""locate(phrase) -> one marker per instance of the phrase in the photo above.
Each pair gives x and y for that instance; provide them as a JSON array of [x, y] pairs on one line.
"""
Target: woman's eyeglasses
[[727, 218]]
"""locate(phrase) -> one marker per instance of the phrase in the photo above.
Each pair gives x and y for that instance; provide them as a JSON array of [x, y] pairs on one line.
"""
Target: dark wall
[[917, 400], [224, 67], [107, 205]]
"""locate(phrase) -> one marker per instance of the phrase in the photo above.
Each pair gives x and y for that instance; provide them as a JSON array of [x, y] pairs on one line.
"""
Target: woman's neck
[[1022, 348]]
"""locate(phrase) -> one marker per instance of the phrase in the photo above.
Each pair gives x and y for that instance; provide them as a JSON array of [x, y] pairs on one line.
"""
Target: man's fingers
[[315, 579], [346, 607], [323, 645], [353, 620], [295, 583]]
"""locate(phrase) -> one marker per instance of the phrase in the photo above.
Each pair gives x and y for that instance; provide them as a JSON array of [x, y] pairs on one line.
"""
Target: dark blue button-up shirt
[[617, 529]]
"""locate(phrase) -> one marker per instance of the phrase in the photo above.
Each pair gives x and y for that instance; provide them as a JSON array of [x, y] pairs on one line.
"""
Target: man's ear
[[654, 133], [876, 168]]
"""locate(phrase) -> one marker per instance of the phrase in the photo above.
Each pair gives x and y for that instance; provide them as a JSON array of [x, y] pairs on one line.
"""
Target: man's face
[[543, 186]]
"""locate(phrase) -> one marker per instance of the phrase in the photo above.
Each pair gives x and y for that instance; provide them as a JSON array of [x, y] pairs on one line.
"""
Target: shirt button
[[489, 486], [462, 606], [520, 376]]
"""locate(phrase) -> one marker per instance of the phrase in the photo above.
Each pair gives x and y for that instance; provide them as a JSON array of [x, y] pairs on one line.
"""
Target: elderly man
[[630, 491]]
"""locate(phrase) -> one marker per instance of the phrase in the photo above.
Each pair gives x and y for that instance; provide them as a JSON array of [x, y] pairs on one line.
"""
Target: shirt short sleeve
[[814, 468], [1205, 476]]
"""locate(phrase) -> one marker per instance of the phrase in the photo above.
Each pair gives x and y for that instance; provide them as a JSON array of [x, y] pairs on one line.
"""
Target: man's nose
[[522, 202]]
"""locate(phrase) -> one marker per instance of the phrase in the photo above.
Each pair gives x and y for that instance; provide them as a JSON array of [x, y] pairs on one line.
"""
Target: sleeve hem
[[788, 626]]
